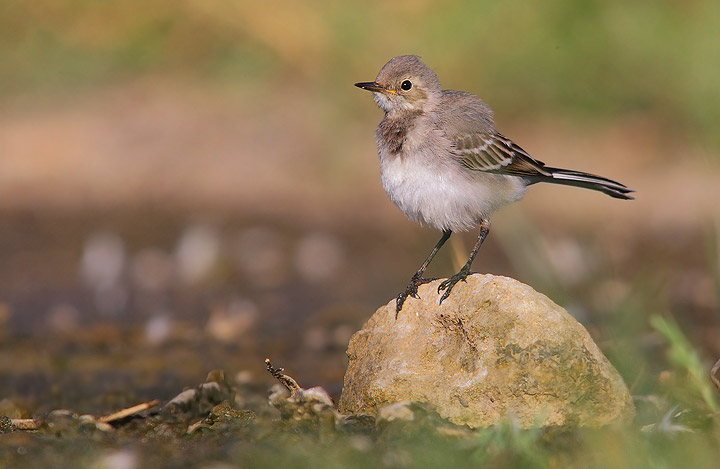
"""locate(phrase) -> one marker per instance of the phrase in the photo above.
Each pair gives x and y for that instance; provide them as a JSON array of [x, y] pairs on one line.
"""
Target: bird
[[443, 163]]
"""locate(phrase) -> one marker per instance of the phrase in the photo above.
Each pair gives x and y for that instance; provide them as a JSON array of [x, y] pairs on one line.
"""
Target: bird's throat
[[394, 128]]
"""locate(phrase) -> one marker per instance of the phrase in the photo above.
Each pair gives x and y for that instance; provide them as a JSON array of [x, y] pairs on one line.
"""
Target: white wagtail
[[444, 164]]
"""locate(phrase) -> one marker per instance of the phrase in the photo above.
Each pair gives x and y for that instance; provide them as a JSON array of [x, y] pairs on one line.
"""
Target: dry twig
[[130, 411], [25, 424], [284, 379]]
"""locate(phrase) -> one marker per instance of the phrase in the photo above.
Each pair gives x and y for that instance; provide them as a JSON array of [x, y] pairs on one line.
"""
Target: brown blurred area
[[195, 186]]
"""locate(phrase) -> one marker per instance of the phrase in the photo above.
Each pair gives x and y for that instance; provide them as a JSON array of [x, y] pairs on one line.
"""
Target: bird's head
[[404, 84]]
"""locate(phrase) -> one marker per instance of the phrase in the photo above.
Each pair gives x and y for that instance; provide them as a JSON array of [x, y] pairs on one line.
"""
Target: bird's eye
[[406, 85]]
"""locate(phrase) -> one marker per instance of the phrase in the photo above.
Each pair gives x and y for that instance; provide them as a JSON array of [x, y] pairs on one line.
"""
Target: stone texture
[[494, 350]]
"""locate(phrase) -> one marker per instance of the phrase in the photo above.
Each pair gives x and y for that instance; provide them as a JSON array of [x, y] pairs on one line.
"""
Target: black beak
[[370, 86]]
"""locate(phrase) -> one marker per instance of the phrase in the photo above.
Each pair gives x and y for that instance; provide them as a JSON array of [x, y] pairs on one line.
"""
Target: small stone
[[312, 405], [183, 400], [90, 423], [396, 411], [495, 350]]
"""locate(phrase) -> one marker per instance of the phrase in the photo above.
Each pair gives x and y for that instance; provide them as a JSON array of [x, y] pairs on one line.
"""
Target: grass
[[688, 365]]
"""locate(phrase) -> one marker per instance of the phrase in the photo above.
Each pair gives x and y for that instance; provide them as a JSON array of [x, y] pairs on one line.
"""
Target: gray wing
[[494, 153], [468, 124]]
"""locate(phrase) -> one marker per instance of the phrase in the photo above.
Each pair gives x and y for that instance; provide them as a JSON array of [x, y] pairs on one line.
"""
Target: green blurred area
[[590, 59]]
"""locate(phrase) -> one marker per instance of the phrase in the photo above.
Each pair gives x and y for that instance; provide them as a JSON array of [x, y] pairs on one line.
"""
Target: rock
[[202, 399], [495, 350]]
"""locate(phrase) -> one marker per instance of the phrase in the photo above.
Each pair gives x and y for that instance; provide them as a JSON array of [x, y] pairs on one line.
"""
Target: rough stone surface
[[494, 350]]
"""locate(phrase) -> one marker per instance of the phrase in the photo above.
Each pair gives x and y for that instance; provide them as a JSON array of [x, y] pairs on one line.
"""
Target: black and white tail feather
[[498, 154], [568, 177]]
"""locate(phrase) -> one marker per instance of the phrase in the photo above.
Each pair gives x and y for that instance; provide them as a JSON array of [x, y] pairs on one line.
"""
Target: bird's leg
[[448, 284], [418, 279]]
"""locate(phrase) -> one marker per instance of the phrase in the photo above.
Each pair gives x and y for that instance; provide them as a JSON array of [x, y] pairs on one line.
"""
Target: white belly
[[444, 194]]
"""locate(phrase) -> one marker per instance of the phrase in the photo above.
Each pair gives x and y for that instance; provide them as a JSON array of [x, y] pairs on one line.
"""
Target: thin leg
[[418, 279], [448, 284]]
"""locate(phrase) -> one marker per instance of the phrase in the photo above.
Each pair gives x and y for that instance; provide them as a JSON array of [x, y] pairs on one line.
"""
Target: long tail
[[588, 181]]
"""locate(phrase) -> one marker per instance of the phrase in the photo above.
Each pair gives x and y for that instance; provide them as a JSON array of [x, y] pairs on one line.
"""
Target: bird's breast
[[428, 183], [425, 189]]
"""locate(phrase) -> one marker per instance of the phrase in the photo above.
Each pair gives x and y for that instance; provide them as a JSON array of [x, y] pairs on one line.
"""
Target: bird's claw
[[411, 290], [448, 284]]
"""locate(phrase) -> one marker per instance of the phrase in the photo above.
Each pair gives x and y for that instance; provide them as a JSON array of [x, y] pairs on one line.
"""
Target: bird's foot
[[449, 283], [411, 290]]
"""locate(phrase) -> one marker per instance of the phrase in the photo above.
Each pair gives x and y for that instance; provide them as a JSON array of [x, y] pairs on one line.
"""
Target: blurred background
[[189, 185]]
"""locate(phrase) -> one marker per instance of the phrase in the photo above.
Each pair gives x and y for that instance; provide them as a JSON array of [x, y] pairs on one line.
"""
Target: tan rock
[[494, 350]]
